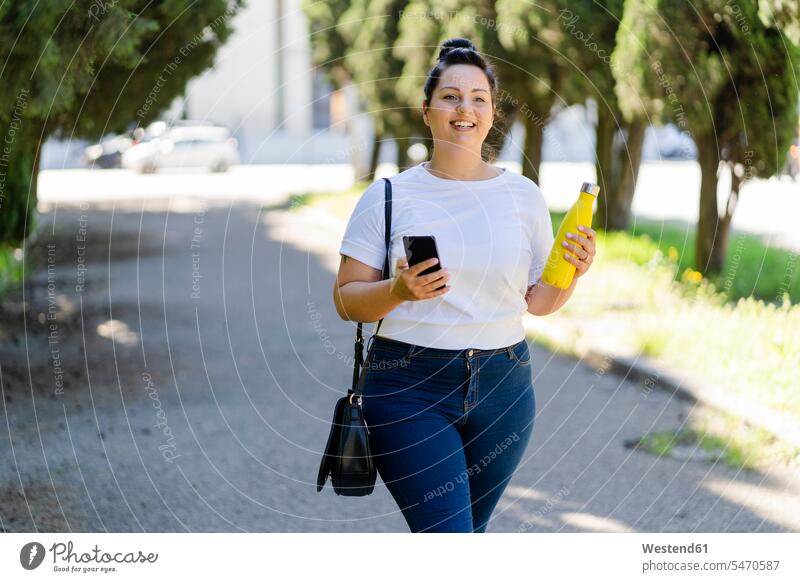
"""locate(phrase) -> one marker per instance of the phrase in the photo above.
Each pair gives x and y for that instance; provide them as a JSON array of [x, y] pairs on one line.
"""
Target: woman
[[448, 398]]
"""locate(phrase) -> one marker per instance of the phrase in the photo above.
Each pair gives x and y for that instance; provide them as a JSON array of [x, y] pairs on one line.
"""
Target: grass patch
[[724, 437], [748, 347], [664, 444], [752, 269], [651, 343], [737, 330]]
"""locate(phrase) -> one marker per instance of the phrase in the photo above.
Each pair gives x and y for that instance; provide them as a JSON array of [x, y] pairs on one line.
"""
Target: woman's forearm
[[370, 301], [544, 299], [365, 301]]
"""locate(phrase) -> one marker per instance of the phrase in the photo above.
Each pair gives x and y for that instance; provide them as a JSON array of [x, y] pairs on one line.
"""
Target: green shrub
[[11, 268]]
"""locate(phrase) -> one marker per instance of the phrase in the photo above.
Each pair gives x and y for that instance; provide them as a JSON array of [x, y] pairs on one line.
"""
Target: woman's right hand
[[410, 286]]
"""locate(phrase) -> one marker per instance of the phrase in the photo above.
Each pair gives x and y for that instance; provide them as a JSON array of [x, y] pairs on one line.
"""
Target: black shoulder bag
[[347, 458]]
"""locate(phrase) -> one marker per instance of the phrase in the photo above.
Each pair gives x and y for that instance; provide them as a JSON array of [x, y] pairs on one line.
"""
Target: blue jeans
[[447, 428]]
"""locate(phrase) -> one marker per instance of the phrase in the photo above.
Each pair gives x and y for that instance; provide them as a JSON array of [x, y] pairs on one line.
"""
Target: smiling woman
[[447, 389], [459, 107]]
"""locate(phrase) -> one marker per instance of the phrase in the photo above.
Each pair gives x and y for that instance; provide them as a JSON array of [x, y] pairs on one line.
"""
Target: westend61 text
[[670, 549]]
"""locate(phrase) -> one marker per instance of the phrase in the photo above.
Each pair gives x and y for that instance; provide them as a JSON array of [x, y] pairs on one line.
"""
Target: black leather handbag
[[347, 458]]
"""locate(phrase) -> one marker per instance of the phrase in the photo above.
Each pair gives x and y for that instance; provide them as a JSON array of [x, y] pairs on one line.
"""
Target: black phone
[[422, 248]]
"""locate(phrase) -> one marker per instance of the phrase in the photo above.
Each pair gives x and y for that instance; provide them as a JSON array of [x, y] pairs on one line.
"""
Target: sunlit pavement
[[262, 184]]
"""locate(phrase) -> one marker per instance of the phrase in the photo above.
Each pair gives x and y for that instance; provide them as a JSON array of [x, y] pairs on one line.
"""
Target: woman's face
[[462, 94]]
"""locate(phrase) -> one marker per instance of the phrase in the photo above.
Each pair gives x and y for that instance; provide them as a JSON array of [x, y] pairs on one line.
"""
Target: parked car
[[108, 153], [184, 145]]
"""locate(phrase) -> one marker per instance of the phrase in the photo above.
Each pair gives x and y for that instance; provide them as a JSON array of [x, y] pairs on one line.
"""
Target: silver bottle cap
[[590, 188]]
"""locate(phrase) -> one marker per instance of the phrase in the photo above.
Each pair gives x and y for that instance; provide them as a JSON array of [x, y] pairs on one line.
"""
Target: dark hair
[[458, 51], [461, 51]]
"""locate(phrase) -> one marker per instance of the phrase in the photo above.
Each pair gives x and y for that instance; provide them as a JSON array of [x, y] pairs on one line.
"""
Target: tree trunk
[[617, 166], [377, 138], [723, 235], [604, 163], [19, 169], [628, 158], [710, 250], [403, 160], [534, 141]]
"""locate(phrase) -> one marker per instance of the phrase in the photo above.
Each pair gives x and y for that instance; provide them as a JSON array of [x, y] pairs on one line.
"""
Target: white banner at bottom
[[388, 557]]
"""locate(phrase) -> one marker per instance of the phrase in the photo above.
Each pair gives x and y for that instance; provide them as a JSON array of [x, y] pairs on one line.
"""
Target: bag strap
[[359, 344]]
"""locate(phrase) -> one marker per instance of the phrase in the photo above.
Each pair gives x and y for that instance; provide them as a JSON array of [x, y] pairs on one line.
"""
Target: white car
[[184, 146]]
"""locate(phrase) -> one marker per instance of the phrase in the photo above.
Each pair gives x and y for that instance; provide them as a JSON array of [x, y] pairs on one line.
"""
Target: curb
[[635, 370], [780, 424]]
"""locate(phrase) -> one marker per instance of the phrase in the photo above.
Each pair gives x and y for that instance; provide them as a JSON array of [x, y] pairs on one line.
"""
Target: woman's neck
[[463, 166]]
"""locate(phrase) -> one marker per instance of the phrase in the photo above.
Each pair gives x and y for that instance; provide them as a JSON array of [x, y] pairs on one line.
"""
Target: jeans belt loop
[[510, 350]]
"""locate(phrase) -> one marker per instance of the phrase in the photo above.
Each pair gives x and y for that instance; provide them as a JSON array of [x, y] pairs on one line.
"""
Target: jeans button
[[469, 353]]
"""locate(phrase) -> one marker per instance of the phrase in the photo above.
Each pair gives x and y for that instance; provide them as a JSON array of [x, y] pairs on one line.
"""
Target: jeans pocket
[[521, 353]]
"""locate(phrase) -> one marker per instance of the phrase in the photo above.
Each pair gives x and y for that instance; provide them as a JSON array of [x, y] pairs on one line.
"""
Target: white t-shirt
[[494, 236]]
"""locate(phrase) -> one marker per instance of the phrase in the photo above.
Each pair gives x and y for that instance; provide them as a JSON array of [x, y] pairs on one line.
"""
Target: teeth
[[463, 124]]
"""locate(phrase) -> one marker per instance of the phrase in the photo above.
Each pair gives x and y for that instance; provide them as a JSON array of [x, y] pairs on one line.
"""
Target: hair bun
[[455, 43]]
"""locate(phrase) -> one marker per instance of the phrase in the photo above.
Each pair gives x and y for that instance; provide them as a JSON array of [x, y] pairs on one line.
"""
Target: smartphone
[[422, 248]]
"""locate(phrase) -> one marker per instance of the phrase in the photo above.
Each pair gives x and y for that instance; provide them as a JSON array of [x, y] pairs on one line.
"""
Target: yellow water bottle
[[558, 271]]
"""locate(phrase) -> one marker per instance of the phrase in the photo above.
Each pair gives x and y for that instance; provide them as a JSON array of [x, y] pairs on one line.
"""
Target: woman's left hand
[[584, 249]]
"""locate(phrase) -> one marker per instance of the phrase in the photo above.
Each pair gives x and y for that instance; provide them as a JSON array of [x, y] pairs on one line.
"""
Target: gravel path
[[174, 368]]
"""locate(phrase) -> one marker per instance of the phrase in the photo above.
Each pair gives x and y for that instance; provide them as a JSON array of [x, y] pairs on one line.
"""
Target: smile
[[462, 125]]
